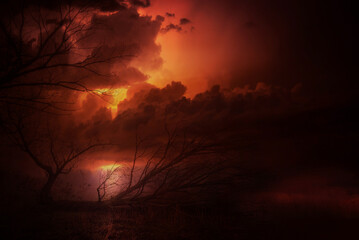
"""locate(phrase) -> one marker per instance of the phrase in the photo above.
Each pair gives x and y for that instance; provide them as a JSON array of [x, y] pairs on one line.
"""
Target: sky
[[237, 45], [278, 75]]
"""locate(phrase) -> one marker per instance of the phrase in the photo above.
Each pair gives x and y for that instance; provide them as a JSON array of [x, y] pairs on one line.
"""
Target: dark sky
[[276, 74]]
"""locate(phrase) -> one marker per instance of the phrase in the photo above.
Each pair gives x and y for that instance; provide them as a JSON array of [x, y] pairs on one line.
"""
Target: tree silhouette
[[50, 149], [108, 181], [180, 164], [44, 52], [39, 45]]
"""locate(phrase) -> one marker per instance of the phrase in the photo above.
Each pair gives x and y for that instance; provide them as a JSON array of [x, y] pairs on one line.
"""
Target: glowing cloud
[[110, 167], [115, 95]]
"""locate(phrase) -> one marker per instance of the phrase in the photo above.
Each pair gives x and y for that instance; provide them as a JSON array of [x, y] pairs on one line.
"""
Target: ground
[[91, 220]]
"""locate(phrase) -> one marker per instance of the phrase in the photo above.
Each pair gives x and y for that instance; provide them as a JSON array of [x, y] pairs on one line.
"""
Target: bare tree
[[108, 180], [39, 45], [45, 52], [180, 164], [49, 150]]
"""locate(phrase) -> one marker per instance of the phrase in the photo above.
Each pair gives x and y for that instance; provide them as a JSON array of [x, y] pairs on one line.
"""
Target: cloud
[[103, 5], [160, 18], [109, 5], [177, 27], [184, 21], [170, 14], [123, 43], [127, 38], [141, 3], [170, 27], [155, 96], [131, 75], [209, 112]]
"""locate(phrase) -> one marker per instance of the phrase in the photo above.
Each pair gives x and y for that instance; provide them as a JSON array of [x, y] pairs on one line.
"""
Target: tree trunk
[[45, 194]]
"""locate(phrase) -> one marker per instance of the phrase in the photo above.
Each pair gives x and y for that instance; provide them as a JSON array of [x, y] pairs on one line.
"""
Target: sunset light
[[110, 167], [112, 97], [178, 119]]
